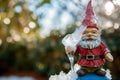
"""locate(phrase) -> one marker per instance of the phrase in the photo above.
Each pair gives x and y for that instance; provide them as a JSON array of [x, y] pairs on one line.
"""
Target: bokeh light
[[66, 19], [116, 2], [116, 26], [0, 42], [9, 39], [109, 7], [14, 36], [32, 25], [18, 9], [26, 30], [108, 24], [6, 20]]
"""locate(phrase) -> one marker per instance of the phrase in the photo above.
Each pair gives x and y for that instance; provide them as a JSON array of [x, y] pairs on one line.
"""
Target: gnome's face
[[91, 34], [90, 38]]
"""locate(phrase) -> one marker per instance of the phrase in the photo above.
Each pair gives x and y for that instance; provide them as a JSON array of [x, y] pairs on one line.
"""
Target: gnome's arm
[[108, 55]]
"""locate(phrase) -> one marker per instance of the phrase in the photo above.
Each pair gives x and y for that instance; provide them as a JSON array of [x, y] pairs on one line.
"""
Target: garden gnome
[[93, 52]]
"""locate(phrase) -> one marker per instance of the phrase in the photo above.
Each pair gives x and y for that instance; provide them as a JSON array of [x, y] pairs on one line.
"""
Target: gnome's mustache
[[95, 41], [86, 38]]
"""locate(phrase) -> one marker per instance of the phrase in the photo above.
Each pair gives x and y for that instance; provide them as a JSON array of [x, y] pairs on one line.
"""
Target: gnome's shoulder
[[102, 44], [92, 76]]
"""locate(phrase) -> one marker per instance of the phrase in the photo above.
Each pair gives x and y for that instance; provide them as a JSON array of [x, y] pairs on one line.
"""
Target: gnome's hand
[[109, 57], [69, 50]]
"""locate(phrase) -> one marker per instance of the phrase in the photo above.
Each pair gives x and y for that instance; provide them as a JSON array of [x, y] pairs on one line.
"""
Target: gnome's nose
[[89, 34]]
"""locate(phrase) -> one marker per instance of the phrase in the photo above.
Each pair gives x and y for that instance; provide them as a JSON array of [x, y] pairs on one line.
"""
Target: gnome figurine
[[92, 51]]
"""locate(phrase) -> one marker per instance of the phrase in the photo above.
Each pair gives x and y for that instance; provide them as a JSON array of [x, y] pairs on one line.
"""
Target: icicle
[[71, 59]]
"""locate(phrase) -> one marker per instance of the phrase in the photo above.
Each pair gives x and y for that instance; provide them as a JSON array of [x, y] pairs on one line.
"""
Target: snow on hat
[[89, 20]]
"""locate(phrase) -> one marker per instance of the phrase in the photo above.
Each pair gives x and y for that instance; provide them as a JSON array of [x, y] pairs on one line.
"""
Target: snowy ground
[[71, 75], [16, 78]]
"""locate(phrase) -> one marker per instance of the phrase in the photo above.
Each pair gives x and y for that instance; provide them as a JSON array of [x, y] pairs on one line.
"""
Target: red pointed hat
[[89, 20]]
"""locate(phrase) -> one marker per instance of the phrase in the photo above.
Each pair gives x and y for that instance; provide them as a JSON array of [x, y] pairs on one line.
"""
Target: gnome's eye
[[85, 32], [94, 32]]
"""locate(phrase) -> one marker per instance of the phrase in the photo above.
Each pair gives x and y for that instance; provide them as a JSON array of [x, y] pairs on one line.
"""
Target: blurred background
[[31, 32]]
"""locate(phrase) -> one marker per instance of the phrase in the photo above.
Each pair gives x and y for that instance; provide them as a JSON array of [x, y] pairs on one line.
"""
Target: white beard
[[90, 44]]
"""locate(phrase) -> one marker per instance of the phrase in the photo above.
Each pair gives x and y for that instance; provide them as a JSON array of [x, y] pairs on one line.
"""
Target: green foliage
[[45, 1]]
